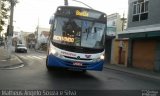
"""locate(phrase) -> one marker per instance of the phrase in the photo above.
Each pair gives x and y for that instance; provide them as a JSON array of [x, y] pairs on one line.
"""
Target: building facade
[[114, 24], [115, 53], [41, 36], [44, 36], [31, 41], [20, 37], [143, 32]]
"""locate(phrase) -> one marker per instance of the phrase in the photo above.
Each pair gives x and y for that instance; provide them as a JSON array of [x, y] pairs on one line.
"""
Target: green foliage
[[4, 14]]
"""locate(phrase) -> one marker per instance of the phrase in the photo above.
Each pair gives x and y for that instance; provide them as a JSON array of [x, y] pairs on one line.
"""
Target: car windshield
[[77, 32]]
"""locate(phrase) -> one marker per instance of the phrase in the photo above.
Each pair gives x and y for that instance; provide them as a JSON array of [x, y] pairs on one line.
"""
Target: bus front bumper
[[54, 61]]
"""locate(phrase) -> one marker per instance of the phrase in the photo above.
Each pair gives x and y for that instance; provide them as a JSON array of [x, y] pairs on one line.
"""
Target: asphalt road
[[34, 75]]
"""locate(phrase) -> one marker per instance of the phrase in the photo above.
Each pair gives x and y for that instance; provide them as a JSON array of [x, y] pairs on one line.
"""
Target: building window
[[111, 31], [140, 10], [113, 23]]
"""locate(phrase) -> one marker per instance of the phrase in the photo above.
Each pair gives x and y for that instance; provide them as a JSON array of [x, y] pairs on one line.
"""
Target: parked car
[[21, 48]]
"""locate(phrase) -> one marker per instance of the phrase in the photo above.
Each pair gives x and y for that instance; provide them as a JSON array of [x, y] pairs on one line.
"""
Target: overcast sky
[[27, 12]]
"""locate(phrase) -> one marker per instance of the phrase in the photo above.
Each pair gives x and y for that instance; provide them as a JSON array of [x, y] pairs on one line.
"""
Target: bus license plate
[[77, 64]]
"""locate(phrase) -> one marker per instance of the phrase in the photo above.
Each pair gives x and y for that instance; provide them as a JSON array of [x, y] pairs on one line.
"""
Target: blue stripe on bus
[[57, 62]]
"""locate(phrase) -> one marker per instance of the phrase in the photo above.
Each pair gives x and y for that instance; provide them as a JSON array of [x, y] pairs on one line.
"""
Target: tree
[[4, 14]]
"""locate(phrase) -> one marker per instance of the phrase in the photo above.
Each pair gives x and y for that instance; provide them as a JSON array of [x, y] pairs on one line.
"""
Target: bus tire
[[84, 71], [48, 68]]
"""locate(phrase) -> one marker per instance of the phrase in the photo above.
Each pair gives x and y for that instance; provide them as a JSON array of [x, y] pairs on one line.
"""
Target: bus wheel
[[49, 68], [84, 71]]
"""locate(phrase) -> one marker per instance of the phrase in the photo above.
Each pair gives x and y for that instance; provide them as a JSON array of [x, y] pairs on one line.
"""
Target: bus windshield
[[78, 32]]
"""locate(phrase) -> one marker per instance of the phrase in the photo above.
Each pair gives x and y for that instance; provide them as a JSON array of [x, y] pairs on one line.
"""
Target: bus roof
[[75, 7], [80, 12]]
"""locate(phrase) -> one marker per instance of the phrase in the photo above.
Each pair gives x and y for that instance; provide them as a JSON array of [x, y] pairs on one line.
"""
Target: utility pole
[[37, 30], [66, 2], [10, 27], [123, 22], [0, 12]]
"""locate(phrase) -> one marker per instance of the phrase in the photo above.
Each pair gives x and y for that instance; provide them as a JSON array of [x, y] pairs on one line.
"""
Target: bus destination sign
[[82, 13]]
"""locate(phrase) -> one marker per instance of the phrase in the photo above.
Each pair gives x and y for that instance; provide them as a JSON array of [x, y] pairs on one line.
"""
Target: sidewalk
[[9, 63], [135, 71]]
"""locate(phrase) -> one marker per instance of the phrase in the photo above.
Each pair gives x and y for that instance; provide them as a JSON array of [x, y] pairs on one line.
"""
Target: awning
[[140, 34]]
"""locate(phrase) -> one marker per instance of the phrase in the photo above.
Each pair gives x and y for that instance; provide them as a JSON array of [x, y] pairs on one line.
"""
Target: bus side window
[[54, 25]]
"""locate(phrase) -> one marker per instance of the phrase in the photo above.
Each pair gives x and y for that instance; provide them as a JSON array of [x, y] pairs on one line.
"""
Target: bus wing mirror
[[51, 21]]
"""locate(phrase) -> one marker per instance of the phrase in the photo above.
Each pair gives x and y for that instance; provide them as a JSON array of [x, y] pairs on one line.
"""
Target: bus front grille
[[77, 58]]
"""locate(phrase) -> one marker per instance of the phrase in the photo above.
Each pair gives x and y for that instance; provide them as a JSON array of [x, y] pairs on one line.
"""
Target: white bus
[[77, 37]]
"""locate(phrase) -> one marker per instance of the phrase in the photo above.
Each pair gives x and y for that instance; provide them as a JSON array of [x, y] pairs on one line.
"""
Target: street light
[[66, 2]]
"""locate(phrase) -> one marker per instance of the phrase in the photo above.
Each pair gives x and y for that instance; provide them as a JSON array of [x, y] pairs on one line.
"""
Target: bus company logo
[[68, 54], [88, 56], [78, 57], [82, 13]]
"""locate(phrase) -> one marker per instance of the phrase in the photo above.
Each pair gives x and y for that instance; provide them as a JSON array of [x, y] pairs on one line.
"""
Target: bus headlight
[[52, 51], [55, 53], [102, 57], [99, 59]]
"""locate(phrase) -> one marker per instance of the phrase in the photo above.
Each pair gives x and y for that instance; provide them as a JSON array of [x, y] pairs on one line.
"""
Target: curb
[[135, 73], [20, 64], [16, 66]]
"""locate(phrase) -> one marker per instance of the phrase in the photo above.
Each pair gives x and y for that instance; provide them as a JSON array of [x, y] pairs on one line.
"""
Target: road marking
[[42, 56], [36, 57], [24, 57], [33, 57]]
